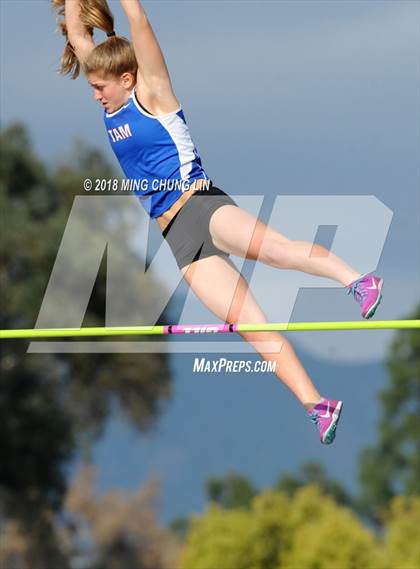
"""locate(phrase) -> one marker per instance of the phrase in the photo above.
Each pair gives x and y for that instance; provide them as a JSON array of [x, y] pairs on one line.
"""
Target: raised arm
[[152, 71], [78, 35]]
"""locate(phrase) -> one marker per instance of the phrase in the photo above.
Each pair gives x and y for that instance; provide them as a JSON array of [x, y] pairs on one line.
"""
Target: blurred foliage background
[[53, 407]]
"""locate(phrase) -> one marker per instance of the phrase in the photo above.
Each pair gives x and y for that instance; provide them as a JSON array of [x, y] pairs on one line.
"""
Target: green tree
[[314, 473], [392, 465], [328, 536], [230, 491], [402, 532], [281, 532], [55, 405]]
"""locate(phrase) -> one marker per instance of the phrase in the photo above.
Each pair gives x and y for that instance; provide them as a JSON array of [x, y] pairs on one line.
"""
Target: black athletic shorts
[[188, 232]]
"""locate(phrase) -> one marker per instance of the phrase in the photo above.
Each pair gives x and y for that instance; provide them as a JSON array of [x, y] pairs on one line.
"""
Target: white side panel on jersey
[[178, 131]]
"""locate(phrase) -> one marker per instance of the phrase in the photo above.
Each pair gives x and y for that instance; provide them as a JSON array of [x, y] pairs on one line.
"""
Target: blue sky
[[282, 98]]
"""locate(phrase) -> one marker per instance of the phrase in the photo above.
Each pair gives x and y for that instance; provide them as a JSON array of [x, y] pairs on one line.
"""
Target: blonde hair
[[114, 56]]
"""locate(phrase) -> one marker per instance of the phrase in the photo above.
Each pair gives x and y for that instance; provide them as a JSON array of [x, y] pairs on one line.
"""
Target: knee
[[276, 253]]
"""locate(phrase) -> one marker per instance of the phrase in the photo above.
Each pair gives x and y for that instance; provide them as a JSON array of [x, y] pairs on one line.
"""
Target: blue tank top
[[156, 154]]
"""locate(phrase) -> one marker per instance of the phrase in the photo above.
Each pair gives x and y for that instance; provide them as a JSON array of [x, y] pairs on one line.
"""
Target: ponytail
[[69, 64], [114, 56], [96, 14]]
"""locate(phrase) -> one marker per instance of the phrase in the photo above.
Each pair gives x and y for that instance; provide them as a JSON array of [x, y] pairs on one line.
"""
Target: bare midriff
[[164, 219]]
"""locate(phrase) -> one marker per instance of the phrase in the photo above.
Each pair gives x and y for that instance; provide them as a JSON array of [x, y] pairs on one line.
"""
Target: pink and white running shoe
[[326, 415], [366, 290]]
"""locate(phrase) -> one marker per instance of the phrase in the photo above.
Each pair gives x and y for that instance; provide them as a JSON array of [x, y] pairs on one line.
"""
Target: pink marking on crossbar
[[198, 328]]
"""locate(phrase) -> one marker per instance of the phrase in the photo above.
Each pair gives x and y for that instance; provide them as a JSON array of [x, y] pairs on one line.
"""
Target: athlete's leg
[[239, 232], [221, 288]]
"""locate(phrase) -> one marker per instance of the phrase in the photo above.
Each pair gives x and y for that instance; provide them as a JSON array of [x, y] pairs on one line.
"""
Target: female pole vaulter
[[202, 224]]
